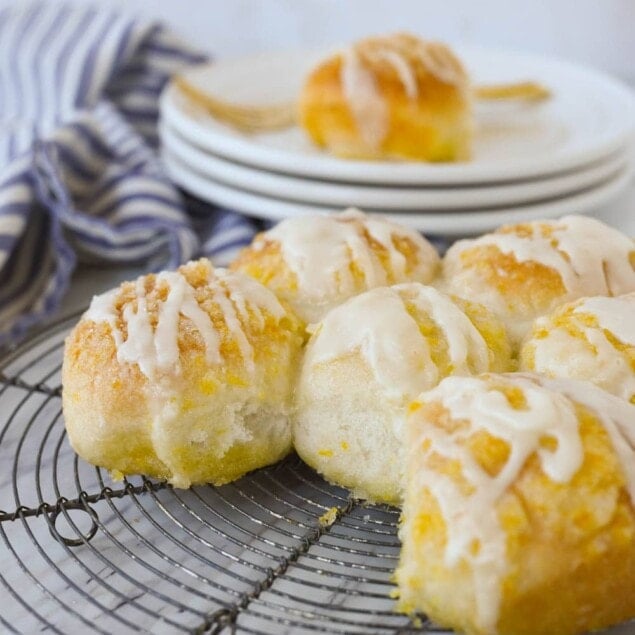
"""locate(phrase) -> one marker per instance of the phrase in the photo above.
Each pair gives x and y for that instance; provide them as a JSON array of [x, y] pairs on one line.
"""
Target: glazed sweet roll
[[182, 375], [525, 271], [366, 361], [593, 339], [394, 96], [519, 507], [315, 263]]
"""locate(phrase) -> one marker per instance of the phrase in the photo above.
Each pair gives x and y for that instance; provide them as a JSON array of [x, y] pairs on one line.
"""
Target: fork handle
[[530, 91]]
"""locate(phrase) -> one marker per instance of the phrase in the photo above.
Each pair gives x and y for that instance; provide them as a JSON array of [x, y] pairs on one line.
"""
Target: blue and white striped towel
[[79, 177]]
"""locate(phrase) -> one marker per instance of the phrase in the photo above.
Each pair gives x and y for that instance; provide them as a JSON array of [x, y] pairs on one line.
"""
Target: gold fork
[[254, 119]]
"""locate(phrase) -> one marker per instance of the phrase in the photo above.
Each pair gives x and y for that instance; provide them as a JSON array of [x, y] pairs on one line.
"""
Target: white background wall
[[597, 32]]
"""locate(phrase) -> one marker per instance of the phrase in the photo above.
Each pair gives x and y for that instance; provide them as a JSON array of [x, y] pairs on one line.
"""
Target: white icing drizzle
[[233, 323], [102, 309], [584, 249], [242, 287], [139, 345], [319, 250], [382, 232], [465, 343], [616, 415], [180, 301], [404, 70], [359, 84], [611, 362], [561, 354], [616, 315], [399, 356], [472, 518], [365, 101], [378, 324], [438, 60], [156, 349]]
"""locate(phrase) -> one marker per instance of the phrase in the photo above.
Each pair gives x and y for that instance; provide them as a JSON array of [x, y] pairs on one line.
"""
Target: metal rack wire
[[86, 554]]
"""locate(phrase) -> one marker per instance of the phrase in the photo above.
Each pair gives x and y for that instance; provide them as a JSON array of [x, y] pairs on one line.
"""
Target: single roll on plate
[[366, 361], [182, 375], [316, 262], [519, 507], [390, 97], [524, 271], [592, 339]]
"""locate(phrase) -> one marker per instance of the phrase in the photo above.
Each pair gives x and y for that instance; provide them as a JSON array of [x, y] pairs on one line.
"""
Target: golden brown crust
[[533, 287], [351, 251], [193, 422], [569, 545], [433, 125], [571, 342], [576, 542], [348, 416], [525, 271], [265, 262], [198, 274], [105, 402]]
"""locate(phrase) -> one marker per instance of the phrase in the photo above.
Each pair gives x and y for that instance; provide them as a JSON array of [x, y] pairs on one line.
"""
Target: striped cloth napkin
[[79, 177]]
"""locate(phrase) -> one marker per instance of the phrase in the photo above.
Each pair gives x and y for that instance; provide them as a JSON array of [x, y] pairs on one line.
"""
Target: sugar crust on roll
[[519, 513], [592, 338], [524, 271], [366, 361], [395, 96], [182, 375], [316, 262]]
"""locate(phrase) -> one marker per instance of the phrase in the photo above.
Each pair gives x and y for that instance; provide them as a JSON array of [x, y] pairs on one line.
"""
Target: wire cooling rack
[[82, 553]]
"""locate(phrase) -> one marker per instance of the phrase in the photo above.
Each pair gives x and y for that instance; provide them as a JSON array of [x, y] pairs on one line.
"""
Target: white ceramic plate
[[432, 199], [589, 116], [449, 224]]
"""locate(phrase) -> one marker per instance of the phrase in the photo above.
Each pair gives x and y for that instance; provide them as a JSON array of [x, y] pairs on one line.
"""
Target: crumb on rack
[[329, 517], [417, 622]]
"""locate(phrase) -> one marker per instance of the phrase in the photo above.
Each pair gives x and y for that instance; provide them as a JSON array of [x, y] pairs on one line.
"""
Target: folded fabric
[[79, 176]]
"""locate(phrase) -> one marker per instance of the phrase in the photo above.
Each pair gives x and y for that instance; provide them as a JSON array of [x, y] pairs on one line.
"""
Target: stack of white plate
[[569, 154]]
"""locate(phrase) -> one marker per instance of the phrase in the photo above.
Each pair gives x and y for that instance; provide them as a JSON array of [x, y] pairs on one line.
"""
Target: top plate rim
[[215, 137]]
